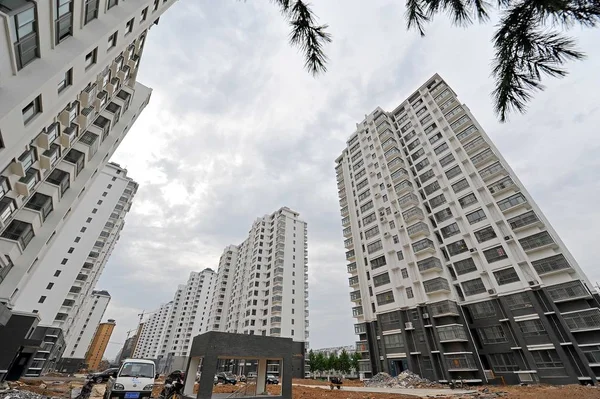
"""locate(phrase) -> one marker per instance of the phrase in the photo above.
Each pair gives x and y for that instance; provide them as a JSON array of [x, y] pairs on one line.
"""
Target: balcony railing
[[355, 295], [408, 200], [435, 285], [360, 329], [346, 221], [350, 255], [443, 308], [42, 203], [352, 267], [429, 264], [501, 185], [483, 157], [403, 187], [423, 245], [357, 311], [353, 281], [452, 333], [412, 214], [536, 241], [19, 231], [347, 232], [349, 243], [460, 362], [362, 346], [417, 229]]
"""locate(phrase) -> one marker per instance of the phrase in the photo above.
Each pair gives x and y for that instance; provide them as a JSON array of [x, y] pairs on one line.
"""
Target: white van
[[134, 380]]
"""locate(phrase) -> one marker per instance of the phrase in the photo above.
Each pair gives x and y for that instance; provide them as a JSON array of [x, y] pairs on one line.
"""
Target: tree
[[321, 362], [344, 362], [354, 360], [332, 362], [528, 44], [312, 361]]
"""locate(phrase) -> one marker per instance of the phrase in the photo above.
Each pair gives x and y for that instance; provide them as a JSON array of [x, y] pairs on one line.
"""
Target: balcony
[[69, 134], [422, 246], [391, 153], [474, 145], [537, 241], [352, 267], [357, 311], [362, 346], [88, 95], [77, 158], [460, 362], [347, 232], [278, 271], [403, 187], [41, 203], [502, 185], [26, 183], [469, 133], [7, 208], [395, 163], [343, 202], [443, 308], [355, 296], [429, 264], [399, 174], [386, 135], [408, 200], [23, 163], [50, 157], [438, 284], [340, 184], [344, 211], [342, 193], [383, 126], [277, 300], [360, 329], [483, 157], [412, 214], [48, 136], [19, 231], [452, 333], [350, 255], [69, 114], [349, 243], [59, 178], [417, 230], [353, 281], [88, 144], [389, 143]]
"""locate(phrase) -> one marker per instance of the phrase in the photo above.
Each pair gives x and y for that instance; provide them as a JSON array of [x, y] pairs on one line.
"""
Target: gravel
[[406, 379]]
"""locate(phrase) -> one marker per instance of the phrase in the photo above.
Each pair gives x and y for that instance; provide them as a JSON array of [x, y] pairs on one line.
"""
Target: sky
[[236, 128]]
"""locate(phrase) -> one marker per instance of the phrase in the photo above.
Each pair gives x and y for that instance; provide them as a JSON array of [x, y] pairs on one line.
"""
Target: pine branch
[[415, 16], [306, 34], [524, 53]]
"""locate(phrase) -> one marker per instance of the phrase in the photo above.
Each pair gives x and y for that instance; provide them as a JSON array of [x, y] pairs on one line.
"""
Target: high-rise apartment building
[[70, 96], [98, 345], [83, 331], [168, 333], [455, 271], [262, 284], [153, 333]]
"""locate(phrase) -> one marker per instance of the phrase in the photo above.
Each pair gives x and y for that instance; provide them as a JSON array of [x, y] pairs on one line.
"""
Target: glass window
[[447, 160], [450, 230], [506, 276], [91, 10], [443, 215], [482, 310], [511, 201], [495, 254], [503, 362], [64, 19], [467, 200], [441, 148], [476, 216], [453, 172], [381, 279], [547, 359], [375, 246], [384, 298], [485, 234], [460, 186], [66, 81], [437, 201], [378, 262], [457, 247], [409, 292], [112, 3], [32, 109], [473, 287], [26, 44], [464, 266], [90, 58], [518, 301]]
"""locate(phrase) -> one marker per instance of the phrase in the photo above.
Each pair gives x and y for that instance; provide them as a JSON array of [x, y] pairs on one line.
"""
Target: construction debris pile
[[406, 379], [38, 390]]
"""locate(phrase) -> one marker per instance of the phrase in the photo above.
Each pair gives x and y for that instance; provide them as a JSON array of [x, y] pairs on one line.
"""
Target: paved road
[[420, 392]]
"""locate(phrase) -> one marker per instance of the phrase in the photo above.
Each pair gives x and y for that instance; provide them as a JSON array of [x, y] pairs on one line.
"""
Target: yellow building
[[99, 343]]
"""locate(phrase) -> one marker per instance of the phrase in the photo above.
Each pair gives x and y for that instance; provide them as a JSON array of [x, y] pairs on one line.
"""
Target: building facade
[[86, 327], [98, 345], [455, 272], [262, 284], [167, 334], [70, 96]]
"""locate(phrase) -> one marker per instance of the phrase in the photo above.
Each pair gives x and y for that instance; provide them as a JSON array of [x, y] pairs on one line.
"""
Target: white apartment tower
[[168, 333], [262, 284], [153, 332], [92, 312], [68, 75], [66, 274], [455, 272]]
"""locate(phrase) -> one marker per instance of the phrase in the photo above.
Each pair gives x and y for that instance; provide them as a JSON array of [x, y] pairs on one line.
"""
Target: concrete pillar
[[261, 378], [209, 367], [190, 376], [286, 372]]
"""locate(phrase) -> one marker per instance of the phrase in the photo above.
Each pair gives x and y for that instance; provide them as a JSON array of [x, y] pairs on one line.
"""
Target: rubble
[[406, 379], [23, 394]]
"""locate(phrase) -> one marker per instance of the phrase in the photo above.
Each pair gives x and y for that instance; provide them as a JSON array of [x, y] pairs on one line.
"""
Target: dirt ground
[[505, 392], [348, 383]]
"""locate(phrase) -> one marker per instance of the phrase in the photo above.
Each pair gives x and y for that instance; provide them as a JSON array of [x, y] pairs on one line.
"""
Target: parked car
[[226, 378], [252, 374], [271, 379], [102, 376]]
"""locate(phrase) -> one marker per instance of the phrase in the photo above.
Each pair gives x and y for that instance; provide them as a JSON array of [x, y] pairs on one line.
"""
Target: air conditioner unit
[[425, 315], [408, 325], [88, 95], [491, 291]]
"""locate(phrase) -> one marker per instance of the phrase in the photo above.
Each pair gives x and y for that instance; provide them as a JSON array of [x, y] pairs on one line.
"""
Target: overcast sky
[[236, 129]]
